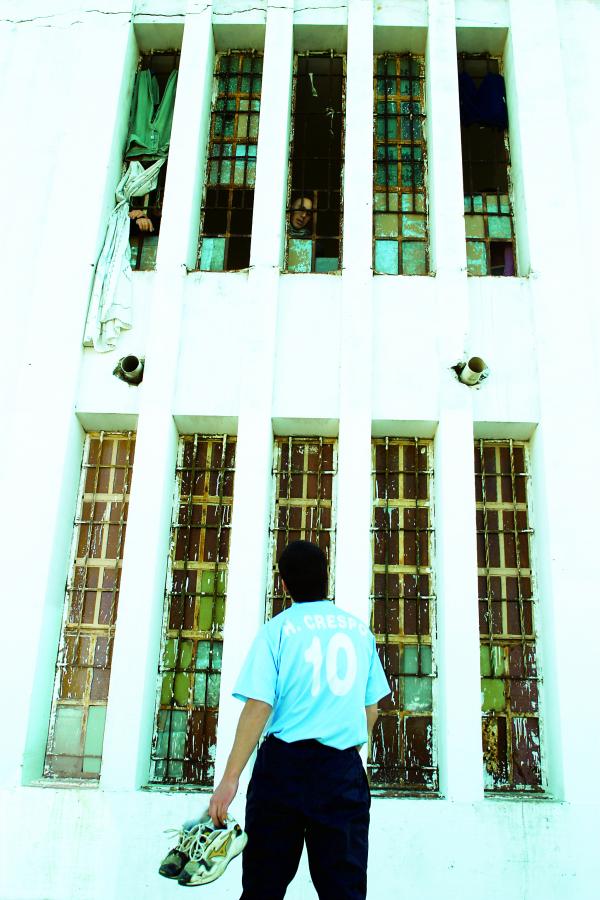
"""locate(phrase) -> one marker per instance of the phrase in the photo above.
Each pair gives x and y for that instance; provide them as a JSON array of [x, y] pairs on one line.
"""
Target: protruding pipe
[[130, 369], [473, 371]]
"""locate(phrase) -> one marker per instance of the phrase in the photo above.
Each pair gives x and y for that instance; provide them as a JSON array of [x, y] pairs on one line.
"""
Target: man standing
[[314, 670]]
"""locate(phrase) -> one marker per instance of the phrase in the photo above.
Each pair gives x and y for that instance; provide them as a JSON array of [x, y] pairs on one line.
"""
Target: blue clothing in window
[[317, 665]]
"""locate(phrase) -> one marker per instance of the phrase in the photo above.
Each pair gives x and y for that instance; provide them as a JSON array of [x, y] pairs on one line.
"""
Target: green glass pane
[[504, 204], [410, 660], [386, 225], [67, 730], [181, 690], [492, 694], [500, 227], [255, 105], [476, 258], [212, 256], [426, 660], [212, 695], [379, 200], [253, 127], [245, 85], [386, 257], [175, 770], [477, 203], [217, 655], [186, 651], [491, 204], [468, 204], [405, 86], [419, 174], [207, 583], [230, 105], [203, 655], [417, 694], [484, 660], [225, 176], [221, 581], [407, 174], [247, 64], [413, 226], [327, 264], [149, 251], [219, 613], [390, 66], [474, 226], [91, 765], [257, 64], [179, 721], [250, 173], [414, 258], [240, 172], [169, 654], [222, 85], [299, 255], [419, 202], [213, 173], [232, 84], [166, 693], [407, 202], [200, 689], [206, 613], [94, 733]]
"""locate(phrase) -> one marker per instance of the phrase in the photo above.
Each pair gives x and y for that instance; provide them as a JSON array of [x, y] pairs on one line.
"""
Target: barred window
[[403, 753], [400, 239], [489, 226], [314, 208], [76, 732], [189, 676], [143, 241], [231, 165], [509, 670], [304, 472]]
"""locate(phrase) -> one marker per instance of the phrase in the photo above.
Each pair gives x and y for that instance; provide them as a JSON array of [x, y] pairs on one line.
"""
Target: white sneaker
[[211, 852], [187, 837]]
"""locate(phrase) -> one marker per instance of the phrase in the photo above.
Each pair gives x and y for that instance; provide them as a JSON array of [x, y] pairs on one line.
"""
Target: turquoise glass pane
[[327, 264], [214, 686], [413, 226], [410, 660], [245, 85], [386, 257], [240, 171], [417, 694], [200, 689], [247, 64], [426, 661], [67, 730], [203, 655], [250, 173], [212, 256], [477, 203], [504, 205], [299, 255], [217, 655], [225, 176], [414, 258], [94, 733], [500, 227]]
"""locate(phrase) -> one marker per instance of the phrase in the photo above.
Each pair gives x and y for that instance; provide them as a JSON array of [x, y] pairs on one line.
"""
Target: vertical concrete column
[[353, 552], [445, 184], [252, 489], [457, 646], [41, 468], [566, 546], [130, 716]]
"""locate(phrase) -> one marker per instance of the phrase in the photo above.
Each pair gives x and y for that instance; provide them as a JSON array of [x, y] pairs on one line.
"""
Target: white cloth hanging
[[110, 308]]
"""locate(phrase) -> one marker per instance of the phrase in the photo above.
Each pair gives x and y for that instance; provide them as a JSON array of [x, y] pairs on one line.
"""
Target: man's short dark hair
[[303, 567]]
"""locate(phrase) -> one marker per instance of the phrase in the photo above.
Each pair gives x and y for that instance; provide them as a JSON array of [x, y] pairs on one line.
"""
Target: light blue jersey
[[318, 667]]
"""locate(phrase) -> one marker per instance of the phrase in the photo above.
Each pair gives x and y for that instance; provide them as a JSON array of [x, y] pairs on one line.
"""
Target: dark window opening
[[146, 209], [314, 210], [489, 225], [226, 227]]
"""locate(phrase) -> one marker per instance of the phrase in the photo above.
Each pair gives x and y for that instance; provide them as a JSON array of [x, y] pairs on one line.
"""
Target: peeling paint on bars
[[304, 506], [509, 670], [403, 753], [189, 675], [76, 730]]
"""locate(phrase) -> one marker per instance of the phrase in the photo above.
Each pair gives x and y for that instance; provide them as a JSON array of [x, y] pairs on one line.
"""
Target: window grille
[[189, 675], [400, 239], [144, 244], [304, 471], [76, 732], [489, 226], [314, 209], [402, 753], [509, 671], [231, 166]]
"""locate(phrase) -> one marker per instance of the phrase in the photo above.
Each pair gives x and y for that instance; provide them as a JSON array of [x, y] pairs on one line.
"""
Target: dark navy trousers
[[306, 792]]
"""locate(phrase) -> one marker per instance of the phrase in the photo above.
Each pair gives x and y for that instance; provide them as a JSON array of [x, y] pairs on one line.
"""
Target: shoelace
[[184, 838]]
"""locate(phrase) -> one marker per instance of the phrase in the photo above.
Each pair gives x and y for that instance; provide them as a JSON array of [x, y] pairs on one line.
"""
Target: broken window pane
[[226, 227], [145, 222], [399, 201], [314, 210], [509, 674], [304, 473], [402, 752], [489, 227], [189, 675], [76, 730]]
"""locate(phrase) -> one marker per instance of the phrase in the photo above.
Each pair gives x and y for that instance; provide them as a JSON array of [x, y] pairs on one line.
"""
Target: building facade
[[297, 223]]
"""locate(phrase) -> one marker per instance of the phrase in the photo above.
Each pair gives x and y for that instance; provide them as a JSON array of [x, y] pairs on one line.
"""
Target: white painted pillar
[[41, 472], [457, 646], [131, 708], [353, 546], [564, 298], [252, 488]]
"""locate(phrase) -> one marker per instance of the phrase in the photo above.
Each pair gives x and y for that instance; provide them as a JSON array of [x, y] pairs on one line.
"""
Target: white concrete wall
[[260, 351]]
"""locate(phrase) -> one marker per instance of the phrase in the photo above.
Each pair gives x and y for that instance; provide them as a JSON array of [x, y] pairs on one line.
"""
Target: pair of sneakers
[[203, 852]]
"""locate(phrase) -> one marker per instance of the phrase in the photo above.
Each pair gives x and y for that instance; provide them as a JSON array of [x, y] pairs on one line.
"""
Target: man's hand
[[221, 800], [143, 222]]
